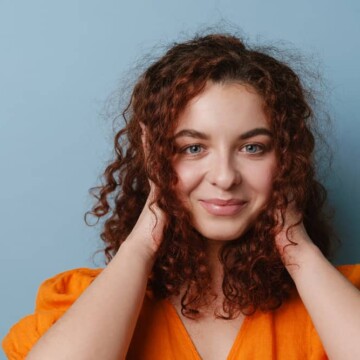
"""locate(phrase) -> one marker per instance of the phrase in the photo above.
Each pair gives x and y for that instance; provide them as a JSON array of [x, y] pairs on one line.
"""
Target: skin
[[224, 152]]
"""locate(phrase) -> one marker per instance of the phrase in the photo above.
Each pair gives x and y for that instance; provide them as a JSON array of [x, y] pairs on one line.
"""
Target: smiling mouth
[[222, 207]]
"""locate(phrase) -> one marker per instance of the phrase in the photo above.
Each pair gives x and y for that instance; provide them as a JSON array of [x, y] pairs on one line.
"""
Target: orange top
[[286, 333]]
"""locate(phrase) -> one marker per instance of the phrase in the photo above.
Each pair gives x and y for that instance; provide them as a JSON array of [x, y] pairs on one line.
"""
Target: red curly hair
[[254, 275]]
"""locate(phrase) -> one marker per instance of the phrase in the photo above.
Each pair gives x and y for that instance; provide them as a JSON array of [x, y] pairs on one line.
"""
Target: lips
[[220, 207]]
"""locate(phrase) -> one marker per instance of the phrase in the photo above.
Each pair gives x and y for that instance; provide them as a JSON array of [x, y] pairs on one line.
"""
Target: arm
[[331, 300], [100, 324]]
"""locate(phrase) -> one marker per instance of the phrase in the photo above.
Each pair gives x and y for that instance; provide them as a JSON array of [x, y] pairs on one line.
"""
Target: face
[[225, 160]]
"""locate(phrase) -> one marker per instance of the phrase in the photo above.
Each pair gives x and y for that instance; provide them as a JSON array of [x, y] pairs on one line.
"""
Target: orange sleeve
[[54, 297], [352, 273]]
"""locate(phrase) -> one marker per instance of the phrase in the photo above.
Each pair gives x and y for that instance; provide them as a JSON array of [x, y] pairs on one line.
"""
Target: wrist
[[139, 251]]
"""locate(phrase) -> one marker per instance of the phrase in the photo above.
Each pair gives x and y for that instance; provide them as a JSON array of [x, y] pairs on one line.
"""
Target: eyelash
[[262, 149]]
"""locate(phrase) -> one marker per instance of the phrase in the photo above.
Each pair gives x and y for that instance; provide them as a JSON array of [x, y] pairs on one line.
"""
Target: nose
[[224, 173]]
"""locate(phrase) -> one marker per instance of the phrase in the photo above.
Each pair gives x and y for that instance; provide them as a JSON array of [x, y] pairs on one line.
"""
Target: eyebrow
[[246, 135]]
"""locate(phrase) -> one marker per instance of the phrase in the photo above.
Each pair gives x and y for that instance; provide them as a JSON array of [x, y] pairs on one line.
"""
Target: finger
[[144, 139]]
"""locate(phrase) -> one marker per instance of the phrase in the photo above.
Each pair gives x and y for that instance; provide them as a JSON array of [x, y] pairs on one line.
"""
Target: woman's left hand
[[293, 242]]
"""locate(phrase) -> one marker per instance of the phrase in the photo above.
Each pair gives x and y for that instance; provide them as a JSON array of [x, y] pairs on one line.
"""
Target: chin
[[220, 235]]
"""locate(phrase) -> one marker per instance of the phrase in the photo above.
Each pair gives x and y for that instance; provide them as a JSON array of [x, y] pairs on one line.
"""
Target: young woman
[[216, 236]]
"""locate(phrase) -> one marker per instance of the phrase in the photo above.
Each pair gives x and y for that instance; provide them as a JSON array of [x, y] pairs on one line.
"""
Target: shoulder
[[351, 272], [55, 296], [61, 290]]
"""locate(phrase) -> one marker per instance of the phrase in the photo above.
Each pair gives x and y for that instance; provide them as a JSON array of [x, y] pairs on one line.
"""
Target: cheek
[[268, 179], [189, 177], [261, 177]]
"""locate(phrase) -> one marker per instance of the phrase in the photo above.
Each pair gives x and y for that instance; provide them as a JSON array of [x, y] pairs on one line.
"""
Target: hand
[[148, 230], [293, 241]]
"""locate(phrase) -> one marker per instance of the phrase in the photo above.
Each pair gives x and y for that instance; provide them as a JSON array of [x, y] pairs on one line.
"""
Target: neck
[[216, 268]]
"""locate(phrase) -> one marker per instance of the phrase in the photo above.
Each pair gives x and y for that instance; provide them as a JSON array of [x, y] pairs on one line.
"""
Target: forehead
[[224, 107]]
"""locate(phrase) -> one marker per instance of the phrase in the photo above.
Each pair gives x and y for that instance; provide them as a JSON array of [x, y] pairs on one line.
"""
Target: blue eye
[[193, 149], [253, 148]]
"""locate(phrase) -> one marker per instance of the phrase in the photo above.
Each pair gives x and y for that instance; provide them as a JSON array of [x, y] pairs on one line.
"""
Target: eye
[[192, 149], [253, 148]]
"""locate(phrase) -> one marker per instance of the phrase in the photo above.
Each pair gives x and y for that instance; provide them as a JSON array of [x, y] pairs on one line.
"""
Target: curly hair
[[254, 275]]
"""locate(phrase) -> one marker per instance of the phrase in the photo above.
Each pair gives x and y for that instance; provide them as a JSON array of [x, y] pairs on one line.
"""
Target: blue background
[[61, 60]]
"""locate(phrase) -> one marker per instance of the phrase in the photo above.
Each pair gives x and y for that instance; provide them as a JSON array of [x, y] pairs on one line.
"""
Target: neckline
[[234, 347]]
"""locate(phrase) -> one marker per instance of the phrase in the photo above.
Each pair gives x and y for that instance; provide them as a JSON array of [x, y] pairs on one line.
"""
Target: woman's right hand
[[147, 233], [148, 230]]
